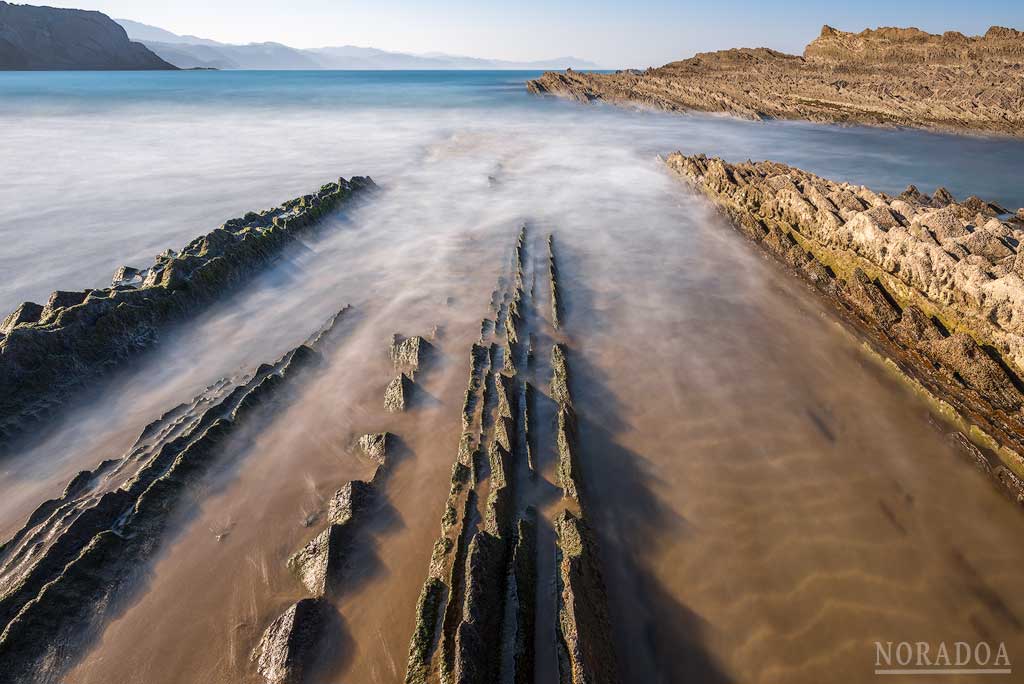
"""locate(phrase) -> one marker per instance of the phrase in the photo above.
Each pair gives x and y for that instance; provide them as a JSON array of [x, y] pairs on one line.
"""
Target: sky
[[613, 34]]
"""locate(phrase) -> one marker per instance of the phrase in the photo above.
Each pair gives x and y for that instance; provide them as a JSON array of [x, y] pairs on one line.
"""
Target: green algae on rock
[[48, 352], [937, 283], [63, 572]]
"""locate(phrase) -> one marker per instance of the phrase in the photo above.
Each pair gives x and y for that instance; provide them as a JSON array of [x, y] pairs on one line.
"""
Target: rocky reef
[[48, 352], [936, 286], [476, 618], [72, 563], [506, 532], [887, 76]]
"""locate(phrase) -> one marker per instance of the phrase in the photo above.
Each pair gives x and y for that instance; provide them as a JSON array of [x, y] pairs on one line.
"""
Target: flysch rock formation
[[406, 352], [290, 642], [319, 564], [475, 617], [289, 645], [47, 352], [375, 446], [63, 573], [288, 648], [937, 285], [397, 394], [887, 76]]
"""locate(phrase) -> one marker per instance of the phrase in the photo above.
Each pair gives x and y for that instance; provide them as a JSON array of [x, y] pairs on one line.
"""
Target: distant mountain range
[[47, 38], [191, 52]]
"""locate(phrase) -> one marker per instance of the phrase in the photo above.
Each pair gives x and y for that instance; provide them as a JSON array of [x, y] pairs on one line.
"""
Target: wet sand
[[768, 501]]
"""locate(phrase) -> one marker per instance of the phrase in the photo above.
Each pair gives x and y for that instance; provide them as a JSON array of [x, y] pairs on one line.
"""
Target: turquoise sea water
[[101, 168]]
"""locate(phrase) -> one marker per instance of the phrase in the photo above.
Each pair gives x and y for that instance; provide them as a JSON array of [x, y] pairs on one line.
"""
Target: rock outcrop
[[937, 283], [351, 501], [318, 563], [375, 446], [397, 393], [476, 618], [585, 649], [48, 38], [888, 76], [48, 352], [290, 643], [406, 352], [62, 573]]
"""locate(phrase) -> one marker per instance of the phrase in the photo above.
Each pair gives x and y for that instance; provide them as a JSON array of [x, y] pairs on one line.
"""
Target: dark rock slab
[[870, 301], [408, 352], [423, 641], [524, 570], [320, 562], [478, 640], [28, 312], [962, 356]]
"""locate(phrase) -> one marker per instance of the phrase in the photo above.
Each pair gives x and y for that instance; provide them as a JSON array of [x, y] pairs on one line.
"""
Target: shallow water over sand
[[769, 502]]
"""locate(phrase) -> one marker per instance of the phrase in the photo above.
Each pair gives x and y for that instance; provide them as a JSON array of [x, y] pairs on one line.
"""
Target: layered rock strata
[[397, 393], [888, 76], [63, 571], [476, 615], [290, 642], [288, 649], [47, 352], [938, 284]]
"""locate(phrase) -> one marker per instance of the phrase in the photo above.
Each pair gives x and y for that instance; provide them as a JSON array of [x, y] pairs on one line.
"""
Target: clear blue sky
[[614, 34]]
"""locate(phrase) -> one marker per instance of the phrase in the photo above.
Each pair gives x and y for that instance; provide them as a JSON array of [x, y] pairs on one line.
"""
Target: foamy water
[[769, 503]]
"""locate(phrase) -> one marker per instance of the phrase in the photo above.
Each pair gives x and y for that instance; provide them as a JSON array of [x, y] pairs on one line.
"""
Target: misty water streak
[[769, 503]]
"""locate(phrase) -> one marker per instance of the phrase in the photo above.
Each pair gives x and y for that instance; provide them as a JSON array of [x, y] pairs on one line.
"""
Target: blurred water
[[101, 169], [768, 502]]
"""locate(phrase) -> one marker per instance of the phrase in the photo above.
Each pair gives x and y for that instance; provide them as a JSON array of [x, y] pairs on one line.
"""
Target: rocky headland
[[50, 38], [936, 286], [886, 76], [49, 351]]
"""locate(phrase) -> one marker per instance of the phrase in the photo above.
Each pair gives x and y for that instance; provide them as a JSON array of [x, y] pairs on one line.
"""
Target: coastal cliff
[[52, 39], [887, 76]]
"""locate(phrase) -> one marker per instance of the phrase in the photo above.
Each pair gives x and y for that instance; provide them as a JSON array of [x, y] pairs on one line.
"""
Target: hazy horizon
[[613, 35]]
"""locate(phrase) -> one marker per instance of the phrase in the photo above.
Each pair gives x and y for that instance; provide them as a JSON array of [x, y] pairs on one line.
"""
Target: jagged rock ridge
[[47, 352], [62, 573], [936, 283], [475, 618]]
